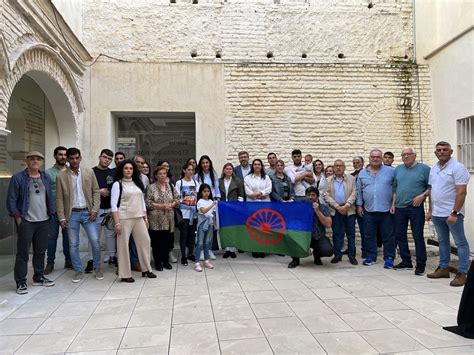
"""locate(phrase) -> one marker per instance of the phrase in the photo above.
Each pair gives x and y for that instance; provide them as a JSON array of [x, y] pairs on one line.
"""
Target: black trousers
[[29, 233], [187, 237], [160, 245], [465, 325]]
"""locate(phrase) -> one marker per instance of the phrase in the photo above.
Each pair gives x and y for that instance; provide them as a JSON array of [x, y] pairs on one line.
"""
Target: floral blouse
[[161, 219]]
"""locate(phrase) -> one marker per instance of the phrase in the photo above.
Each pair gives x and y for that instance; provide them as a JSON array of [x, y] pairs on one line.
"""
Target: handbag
[[178, 215]]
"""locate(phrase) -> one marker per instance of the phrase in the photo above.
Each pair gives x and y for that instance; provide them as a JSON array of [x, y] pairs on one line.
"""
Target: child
[[307, 166], [205, 226], [320, 244]]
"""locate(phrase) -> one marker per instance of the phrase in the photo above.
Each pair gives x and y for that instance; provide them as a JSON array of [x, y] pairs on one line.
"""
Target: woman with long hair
[[161, 198], [129, 214], [258, 188], [205, 174], [187, 188], [231, 189]]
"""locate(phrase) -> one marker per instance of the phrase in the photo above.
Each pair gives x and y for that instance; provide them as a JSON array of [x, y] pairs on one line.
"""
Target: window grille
[[465, 132]]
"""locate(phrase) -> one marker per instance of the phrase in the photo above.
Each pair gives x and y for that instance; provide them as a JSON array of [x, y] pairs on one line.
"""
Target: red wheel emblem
[[266, 226]]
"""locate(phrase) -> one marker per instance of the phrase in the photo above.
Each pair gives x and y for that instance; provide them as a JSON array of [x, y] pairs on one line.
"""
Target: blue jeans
[[203, 242], [457, 231], [384, 220], [416, 216], [53, 241], [344, 225], [82, 219]]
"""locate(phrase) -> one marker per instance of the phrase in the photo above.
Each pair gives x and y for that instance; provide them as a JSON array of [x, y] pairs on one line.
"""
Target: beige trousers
[[137, 227]]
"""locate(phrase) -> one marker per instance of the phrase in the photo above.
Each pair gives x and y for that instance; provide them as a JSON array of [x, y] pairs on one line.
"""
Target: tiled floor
[[243, 306]]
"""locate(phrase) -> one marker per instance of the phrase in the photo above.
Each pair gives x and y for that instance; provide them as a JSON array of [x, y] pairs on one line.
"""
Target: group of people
[[136, 208]]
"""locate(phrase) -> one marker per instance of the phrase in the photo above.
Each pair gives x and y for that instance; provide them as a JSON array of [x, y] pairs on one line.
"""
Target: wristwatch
[[454, 213]]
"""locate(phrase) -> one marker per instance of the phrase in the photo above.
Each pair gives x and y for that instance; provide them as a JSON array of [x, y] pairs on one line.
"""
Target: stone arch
[[49, 70], [397, 118]]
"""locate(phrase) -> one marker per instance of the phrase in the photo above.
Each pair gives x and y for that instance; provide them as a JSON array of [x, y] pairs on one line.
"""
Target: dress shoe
[[336, 259], [167, 266], [159, 266], [136, 267], [233, 255], [49, 268], [149, 274], [353, 261], [294, 263], [459, 279], [317, 260], [89, 268], [184, 261], [226, 255], [128, 279], [439, 274]]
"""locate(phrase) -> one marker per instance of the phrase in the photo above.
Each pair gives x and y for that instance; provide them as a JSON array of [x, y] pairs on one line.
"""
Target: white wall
[[451, 72]]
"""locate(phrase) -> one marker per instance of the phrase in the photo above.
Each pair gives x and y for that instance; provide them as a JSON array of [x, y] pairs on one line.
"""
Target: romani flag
[[269, 227]]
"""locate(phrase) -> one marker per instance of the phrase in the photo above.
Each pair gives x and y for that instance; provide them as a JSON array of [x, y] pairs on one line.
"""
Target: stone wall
[[152, 30], [329, 110]]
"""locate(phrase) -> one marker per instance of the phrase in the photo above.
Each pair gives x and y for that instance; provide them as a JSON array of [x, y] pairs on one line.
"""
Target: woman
[[170, 180], [329, 171], [231, 189], [161, 198], [281, 184], [318, 170], [187, 189], [129, 213], [205, 174], [146, 171], [258, 188], [192, 161]]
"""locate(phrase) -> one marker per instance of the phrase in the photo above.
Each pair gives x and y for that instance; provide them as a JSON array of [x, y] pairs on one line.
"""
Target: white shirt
[[226, 186], [443, 183], [78, 198], [293, 171], [257, 184], [202, 203]]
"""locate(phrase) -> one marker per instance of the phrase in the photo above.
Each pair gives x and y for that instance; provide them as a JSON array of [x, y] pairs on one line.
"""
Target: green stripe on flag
[[294, 243]]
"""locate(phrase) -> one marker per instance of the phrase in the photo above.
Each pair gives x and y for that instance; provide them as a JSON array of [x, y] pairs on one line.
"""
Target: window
[[465, 127]]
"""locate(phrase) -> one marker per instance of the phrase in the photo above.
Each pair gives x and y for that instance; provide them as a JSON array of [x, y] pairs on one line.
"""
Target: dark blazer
[[277, 188], [238, 172], [236, 189]]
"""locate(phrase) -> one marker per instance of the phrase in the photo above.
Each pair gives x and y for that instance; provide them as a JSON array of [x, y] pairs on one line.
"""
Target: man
[[30, 202], [322, 220], [298, 174], [242, 170], [105, 179], [78, 200], [60, 157], [358, 165], [118, 158], [448, 180], [272, 160], [374, 202], [140, 161], [388, 158], [341, 197], [410, 189]]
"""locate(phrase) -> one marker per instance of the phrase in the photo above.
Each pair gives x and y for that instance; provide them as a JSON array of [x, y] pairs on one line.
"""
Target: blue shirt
[[374, 192], [339, 195]]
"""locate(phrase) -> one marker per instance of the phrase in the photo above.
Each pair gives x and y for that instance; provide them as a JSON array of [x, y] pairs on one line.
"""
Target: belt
[[79, 209]]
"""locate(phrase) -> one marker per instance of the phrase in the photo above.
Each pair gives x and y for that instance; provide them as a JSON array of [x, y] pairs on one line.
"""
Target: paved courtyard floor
[[243, 306]]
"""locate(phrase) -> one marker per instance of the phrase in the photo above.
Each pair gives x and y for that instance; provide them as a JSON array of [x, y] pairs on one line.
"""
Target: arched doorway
[[43, 111]]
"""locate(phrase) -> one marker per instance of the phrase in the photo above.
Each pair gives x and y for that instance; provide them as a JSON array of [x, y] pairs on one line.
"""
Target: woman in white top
[[258, 185], [129, 213]]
